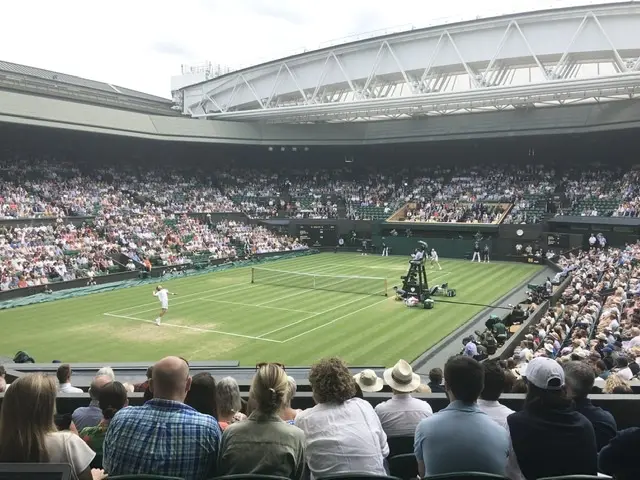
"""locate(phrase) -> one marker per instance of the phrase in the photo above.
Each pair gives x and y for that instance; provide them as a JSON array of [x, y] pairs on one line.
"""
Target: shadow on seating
[[577, 477], [356, 476], [250, 476], [143, 476], [400, 445], [466, 476], [404, 466]]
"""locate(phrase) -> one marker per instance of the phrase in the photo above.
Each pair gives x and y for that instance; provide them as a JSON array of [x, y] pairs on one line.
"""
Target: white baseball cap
[[545, 373]]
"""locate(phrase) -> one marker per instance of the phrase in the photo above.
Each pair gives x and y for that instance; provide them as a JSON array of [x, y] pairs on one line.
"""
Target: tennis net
[[313, 281]]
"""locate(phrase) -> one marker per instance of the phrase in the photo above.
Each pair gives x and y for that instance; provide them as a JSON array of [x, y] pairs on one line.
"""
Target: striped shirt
[[162, 437]]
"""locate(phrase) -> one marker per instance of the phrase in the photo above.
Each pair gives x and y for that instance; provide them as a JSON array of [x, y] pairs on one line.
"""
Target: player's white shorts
[[165, 305]]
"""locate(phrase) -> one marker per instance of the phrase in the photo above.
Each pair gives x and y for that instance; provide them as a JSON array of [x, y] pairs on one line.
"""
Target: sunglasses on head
[[264, 364]]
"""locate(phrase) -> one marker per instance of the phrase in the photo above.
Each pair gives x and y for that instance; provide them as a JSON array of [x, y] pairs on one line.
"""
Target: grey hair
[[579, 377], [291, 391], [107, 372], [228, 396]]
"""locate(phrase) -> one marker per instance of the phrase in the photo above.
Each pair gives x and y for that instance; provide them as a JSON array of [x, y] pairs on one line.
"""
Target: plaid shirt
[[162, 437]]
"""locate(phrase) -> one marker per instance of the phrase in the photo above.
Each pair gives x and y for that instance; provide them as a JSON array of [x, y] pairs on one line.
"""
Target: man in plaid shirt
[[164, 436]]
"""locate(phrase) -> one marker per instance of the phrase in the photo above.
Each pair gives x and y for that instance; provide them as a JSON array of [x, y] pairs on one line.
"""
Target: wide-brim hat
[[369, 381], [401, 377]]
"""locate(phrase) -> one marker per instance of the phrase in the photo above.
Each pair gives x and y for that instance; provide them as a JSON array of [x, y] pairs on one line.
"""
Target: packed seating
[[209, 431]]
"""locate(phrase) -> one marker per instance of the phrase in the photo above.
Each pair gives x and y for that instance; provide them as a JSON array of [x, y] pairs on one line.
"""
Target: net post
[[252, 274]]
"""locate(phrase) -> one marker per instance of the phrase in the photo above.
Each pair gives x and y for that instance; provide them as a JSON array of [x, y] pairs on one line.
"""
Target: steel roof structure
[[540, 59]]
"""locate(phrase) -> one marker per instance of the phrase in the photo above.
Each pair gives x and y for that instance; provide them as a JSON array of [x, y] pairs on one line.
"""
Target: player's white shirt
[[163, 296], [434, 255]]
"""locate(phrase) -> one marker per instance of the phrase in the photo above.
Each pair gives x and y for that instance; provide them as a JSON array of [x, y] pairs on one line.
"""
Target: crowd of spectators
[[196, 428]]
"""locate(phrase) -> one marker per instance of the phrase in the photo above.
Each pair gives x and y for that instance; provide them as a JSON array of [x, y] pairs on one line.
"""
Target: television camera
[[415, 289], [537, 293]]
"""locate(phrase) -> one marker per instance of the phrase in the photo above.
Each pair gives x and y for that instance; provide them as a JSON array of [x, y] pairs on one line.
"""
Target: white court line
[[335, 320], [313, 316], [321, 313], [252, 305], [181, 296], [196, 329], [326, 311], [303, 290]]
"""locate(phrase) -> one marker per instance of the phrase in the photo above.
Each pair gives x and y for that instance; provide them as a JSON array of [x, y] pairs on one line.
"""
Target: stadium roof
[[48, 83]]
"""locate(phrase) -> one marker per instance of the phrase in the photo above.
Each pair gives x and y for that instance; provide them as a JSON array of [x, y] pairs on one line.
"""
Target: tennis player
[[434, 258], [163, 295]]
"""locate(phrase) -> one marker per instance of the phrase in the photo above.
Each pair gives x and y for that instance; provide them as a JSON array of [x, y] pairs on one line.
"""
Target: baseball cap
[[545, 373]]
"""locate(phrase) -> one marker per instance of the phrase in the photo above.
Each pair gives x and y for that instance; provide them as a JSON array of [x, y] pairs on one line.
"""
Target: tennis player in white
[[163, 296], [434, 258]]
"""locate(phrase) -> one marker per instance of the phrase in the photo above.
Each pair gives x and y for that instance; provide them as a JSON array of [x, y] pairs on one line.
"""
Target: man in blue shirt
[[164, 436], [461, 438]]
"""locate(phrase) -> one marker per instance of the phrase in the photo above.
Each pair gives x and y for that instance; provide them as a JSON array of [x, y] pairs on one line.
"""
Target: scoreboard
[[318, 235]]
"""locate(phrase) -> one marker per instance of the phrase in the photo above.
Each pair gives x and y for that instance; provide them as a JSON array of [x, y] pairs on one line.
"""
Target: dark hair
[[520, 386], [435, 375], [579, 377], [538, 399], [622, 362], [608, 361], [464, 378], [494, 380], [331, 381], [112, 397], [64, 372], [3, 372], [509, 381], [150, 372], [202, 395], [601, 365]]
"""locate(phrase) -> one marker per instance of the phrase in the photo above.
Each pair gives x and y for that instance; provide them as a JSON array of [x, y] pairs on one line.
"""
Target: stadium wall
[[24, 109]]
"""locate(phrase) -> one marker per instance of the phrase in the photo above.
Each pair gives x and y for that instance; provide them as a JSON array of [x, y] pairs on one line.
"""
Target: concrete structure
[[547, 58]]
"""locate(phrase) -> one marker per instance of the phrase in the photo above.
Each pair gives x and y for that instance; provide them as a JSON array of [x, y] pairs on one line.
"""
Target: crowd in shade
[[511, 194], [208, 429]]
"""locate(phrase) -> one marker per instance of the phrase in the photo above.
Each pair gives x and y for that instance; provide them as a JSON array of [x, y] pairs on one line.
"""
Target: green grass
[[261, 322]]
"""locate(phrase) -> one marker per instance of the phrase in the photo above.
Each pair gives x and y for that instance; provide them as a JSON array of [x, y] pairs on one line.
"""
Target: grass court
[[223, 316]]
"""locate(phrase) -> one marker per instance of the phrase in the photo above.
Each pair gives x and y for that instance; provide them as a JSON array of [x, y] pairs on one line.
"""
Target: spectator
[[90, 416], [580, 379], [494, 383], [461, 438], [3, 381], [264, 444], [400, 415], [113, 398], [342, 433], [202, 394], [287, 413], [108, 371], [228, 402], [64, 379], [620, 457], [142, 387], [164, 436], [548, 428], [435, 380], [27, 432], [612, 383], [369, 381]]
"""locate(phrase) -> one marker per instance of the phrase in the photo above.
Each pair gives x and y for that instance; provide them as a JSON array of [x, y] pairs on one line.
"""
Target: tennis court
[[294, 311]]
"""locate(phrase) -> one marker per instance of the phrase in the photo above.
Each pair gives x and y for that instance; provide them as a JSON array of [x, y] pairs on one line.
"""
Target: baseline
[[196, 329]]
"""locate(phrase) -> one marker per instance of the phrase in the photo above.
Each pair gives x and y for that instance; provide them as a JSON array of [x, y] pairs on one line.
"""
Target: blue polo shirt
[[461, 438]]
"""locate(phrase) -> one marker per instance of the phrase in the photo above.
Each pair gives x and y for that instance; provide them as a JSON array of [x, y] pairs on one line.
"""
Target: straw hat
[[369, 381], [401, 377]]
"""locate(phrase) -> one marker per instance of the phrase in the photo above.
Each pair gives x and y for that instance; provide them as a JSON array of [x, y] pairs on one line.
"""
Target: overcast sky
[[140, 44]]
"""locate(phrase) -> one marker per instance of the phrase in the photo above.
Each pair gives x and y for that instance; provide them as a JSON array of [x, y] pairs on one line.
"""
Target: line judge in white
[[163, 295]]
